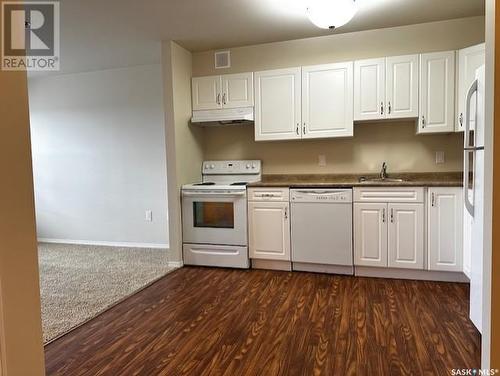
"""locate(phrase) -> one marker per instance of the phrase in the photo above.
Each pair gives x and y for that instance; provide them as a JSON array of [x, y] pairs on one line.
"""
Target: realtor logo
[[30, 35]]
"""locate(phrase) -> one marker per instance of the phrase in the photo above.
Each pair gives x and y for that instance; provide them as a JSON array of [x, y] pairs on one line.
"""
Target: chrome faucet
[[383, 171]]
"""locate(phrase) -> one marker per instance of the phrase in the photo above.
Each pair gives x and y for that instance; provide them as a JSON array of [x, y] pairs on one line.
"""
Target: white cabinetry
[[206, 93], [469, 59], [327, 95], [370, 234], [386, 88], [406, 236], [389, 227], [445, 226], [278, 104], [401, 86], [226, 91], [437, 92], [308, 102], [369, 89], [269, 224]]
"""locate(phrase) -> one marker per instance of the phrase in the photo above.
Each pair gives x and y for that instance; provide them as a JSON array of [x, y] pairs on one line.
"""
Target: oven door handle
[[213, 193]]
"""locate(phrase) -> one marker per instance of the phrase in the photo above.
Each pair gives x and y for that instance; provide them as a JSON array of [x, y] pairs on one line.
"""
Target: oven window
[[213, 214]]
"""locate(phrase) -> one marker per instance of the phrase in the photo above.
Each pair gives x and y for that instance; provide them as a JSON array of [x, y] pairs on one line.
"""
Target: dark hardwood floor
[[201, 321]]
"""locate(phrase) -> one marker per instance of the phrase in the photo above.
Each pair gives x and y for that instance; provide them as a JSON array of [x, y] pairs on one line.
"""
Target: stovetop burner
[[239, 183], [206, 183]]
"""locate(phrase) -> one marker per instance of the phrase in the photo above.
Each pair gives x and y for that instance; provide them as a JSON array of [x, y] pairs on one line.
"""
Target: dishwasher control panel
[[321, 195]]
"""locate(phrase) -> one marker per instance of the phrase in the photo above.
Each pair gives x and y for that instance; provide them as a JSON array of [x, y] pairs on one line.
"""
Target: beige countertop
[[431, 179]]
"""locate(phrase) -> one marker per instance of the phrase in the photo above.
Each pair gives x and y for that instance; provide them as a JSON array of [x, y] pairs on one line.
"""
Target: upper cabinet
[[206, 92], [226, 91], [308, 102], [369, 89], [386, 88], [278, 104], [437, 92], [327, 96], [401, 86], [469, 59]]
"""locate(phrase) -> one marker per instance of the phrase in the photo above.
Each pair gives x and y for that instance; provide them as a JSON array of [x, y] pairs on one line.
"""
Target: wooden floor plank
[[208, 321]]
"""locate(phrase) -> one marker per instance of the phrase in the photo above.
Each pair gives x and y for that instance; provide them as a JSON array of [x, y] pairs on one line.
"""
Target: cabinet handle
[[383, 215], [286, 213], [304, 128], [224, 98], [389, 108], [433, 200], [218, 98], [423, 121], [461, 118], [297, 129], [381, 108], [392, 215]]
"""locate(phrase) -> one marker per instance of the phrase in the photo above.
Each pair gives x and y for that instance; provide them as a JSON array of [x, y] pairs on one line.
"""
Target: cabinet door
[[437, 92], [269, 230], [445, 221], [277, 104], [402, 86], [370, 234], [469, 59], [327, 96], [237, 90], [406, 236], [206, 93], [369, 89]]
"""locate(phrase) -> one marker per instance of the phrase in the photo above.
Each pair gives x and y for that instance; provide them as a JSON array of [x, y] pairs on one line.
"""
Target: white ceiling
[[99, 34]]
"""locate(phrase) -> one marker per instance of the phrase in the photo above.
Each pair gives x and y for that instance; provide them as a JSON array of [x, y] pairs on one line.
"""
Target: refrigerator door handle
[[468, 204], [470, 93]]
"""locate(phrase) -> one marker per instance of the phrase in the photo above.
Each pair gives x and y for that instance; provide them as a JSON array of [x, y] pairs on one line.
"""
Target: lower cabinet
[[389, 233], [406, 236], [269, 225], [370, 234], [445, 229]]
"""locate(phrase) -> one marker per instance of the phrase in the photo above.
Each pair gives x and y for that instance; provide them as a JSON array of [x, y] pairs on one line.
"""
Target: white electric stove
[[214, 214]]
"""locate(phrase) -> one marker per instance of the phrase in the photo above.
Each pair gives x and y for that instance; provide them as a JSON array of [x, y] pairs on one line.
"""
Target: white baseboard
[[176, 264], [425, 275], [104, 243]]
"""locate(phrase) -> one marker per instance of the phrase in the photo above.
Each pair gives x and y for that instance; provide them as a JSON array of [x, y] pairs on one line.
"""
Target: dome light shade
[[330, 14]]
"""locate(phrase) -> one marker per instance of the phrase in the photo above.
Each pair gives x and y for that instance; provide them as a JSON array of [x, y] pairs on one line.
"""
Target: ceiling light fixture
[[330, 14]]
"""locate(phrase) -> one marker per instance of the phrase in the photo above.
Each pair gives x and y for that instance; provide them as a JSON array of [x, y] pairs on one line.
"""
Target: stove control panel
[[231, 167]]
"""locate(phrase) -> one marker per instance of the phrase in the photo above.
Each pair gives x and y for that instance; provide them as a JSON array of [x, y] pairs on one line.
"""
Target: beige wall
[[21, 345], [373, 143], [184, 142]]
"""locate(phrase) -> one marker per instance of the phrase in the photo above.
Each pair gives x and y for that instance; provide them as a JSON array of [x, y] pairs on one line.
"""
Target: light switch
[[321, 160], [439, 157], [148, 216]]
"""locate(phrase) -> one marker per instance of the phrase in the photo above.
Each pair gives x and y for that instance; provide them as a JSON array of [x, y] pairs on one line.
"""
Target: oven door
[[214, 217]]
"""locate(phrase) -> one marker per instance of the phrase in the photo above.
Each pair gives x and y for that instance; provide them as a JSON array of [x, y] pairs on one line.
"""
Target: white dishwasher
[[321, 230]]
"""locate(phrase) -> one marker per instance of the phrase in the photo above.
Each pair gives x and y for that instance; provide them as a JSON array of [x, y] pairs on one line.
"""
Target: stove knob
[[212, 166], [253, 165], [248, 166]]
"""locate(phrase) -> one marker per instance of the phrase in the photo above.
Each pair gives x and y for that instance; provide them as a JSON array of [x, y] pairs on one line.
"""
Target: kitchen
[[329, 196], [353, 165]]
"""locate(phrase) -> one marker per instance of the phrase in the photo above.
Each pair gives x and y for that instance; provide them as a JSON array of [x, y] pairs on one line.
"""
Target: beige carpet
[[78, 282]]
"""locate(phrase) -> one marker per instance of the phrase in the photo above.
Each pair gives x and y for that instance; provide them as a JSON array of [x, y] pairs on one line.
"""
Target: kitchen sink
[[364, 179]]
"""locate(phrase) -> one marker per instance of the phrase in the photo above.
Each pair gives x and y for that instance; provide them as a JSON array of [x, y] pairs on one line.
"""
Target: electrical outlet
[[321, 160], [439, 157], [148, 216]]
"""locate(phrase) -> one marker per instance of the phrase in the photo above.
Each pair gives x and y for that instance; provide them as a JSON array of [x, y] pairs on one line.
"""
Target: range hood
[[224, 116]]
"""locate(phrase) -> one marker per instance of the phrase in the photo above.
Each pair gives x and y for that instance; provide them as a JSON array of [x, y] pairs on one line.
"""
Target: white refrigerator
[[474, 192]]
